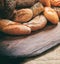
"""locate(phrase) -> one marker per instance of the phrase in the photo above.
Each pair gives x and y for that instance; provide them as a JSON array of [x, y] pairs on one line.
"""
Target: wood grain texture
[[30, 45], [51, 57]]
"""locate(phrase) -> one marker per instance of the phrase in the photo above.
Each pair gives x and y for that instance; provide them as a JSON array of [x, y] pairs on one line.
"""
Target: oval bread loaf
[[16, 30], [37, 23], [23, 15], [13, 28], [51, 15]]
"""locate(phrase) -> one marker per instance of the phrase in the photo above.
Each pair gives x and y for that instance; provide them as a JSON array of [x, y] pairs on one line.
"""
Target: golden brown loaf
[[13, 28], [26, 20], [51, 15], [38, 22], [23, 15], [16, 30]]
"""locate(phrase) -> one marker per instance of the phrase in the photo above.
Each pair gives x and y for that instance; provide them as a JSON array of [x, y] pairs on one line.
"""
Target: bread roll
[[51, 15], [23, 15]]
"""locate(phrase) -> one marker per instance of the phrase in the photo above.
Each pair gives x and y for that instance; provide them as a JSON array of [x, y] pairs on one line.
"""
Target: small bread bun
[[51, 15], [23, 15]]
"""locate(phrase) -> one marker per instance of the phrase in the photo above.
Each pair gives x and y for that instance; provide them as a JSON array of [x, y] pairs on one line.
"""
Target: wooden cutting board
[[30, 45]]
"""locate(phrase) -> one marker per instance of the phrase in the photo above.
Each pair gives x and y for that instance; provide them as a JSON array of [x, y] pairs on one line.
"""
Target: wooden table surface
[[22, 45], [50, 57]]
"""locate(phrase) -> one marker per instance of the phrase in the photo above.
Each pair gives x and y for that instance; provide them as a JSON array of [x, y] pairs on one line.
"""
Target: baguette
[[37, 23], [13, 28], [16, 30]]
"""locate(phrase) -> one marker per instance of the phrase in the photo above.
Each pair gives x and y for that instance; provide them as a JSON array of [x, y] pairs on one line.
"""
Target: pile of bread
[[18, 17]]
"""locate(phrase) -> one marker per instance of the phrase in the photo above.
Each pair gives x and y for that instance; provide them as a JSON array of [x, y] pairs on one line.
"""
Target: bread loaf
[[51, 15], [37, 23], [24, 15], [13, 28], [16, 30]]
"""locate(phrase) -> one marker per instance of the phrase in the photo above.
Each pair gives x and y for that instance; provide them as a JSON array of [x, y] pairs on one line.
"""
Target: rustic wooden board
[[30, 45]]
